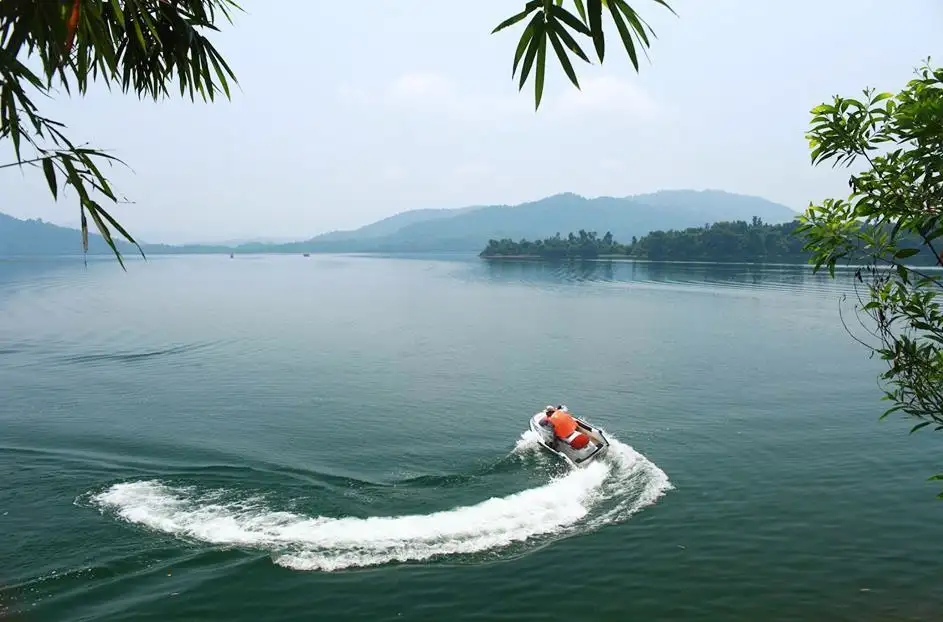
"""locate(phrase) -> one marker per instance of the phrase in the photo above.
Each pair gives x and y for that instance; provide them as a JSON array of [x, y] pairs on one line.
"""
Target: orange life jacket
[[563, 424]]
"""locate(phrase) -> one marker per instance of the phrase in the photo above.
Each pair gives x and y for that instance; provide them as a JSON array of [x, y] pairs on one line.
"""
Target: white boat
[[575, 456]]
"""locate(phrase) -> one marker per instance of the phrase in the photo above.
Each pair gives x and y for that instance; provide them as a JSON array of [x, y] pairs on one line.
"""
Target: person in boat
[[562, 423]]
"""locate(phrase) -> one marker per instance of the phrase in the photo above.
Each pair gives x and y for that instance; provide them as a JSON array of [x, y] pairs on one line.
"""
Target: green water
[[334, 438]]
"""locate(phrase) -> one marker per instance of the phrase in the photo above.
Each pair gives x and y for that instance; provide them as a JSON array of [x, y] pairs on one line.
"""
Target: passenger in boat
[[563, 423], [548, 425]]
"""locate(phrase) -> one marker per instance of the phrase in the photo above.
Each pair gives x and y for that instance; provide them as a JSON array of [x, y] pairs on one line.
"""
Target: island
[[735, 241], [739, 241], [583, 244]]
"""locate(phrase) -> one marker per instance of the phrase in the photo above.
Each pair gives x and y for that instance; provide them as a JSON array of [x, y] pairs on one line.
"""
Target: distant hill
[[468, 229], [465, 229], [391, 224], [35, 237]]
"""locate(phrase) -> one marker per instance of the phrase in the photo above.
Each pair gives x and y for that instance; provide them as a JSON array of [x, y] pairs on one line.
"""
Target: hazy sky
[[346, 114]]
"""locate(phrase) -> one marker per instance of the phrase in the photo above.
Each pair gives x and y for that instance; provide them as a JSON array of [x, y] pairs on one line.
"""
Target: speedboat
[[582, 447]]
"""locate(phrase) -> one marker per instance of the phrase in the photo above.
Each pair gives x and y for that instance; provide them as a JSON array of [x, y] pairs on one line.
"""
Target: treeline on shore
[[738, 240]]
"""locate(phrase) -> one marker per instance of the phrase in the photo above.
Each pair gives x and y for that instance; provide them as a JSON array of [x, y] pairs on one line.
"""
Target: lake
[[343, 438]]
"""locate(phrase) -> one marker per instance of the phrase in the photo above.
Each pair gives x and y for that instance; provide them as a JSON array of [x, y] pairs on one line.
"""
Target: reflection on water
[[601, 271], [15, 273], [554, 271], [15, 270]]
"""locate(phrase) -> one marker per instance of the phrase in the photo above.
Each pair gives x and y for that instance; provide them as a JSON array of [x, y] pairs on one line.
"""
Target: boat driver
[[563, 422]]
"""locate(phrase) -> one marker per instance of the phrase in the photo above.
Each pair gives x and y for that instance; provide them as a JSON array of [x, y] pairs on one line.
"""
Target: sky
[[343, 115]]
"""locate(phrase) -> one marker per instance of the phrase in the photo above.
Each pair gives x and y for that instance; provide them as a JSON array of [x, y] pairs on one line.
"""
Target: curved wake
[[601, 493]]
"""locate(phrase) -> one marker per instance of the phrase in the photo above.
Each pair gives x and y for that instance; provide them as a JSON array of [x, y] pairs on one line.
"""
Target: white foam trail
[[635, 483], [326, 543], [528, 443]]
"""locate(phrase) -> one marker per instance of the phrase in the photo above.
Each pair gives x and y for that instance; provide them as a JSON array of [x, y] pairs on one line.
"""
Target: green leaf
[[50, 173], [891, 410], [595, 26], [623, 32], [580, 9], [526, 38], [562, 55], [92, 208], [140, 35], [528, 8], [541, 69], [84, 230], [73, 177], [219, 74], [906, 252], [116, 225], [633, 20], [116, 7], [665, 4], [919, 426], [574, 47], [535, 42], [569, 19]]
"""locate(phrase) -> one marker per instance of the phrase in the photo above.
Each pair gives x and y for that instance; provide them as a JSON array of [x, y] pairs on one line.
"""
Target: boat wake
[[602, 493]]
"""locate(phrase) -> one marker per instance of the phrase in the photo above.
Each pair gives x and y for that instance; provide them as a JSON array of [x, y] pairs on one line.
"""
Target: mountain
[[465, 229], [391, 224], [35, 237], [469, 229]]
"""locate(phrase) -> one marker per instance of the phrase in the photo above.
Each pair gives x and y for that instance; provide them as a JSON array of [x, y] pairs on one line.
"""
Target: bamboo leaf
[[526, 37], [73, 177], [563, 56], [102, 184], [532, 48], [116, 7], [580, 9], [541, 70], [92, 208], [10, 118], [665, 4], [595, 26], [633, 20], [624, 33], [139, 34], [528, 8], [569, 19], [84, 230], [219, 74], [50, 173], [121, 230], [571, 43]]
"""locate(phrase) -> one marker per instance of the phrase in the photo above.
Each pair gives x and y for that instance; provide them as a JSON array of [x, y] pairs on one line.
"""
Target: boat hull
[[575, 457]]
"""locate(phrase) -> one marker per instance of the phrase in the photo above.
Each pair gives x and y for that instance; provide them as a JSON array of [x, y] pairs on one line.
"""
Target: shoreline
[[542, 258]]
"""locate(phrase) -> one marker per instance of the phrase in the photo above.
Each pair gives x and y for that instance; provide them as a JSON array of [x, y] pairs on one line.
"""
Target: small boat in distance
[[582, 447], [307, 254]]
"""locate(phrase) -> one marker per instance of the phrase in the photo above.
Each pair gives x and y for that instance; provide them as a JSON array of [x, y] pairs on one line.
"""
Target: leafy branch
[[139, 45], [549, 20], [892, 216]]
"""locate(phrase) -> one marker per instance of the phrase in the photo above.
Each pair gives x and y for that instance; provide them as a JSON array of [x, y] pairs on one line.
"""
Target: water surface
[[341, 437]]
